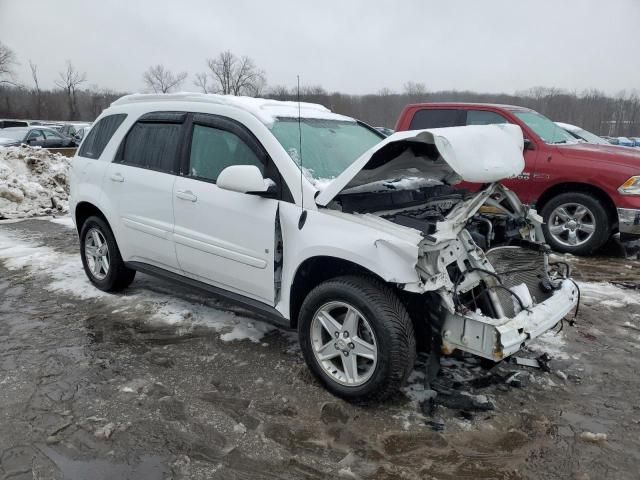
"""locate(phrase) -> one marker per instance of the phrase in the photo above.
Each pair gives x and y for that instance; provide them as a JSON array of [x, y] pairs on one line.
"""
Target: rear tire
[[101, 257], [575, 223], [382, 325]]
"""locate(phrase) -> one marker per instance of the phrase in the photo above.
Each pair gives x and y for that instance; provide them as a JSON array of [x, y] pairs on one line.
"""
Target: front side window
[[483, 117], [328, 146], [152, 145], [213, 150], [548, 131], [99, 136], [35, 135]]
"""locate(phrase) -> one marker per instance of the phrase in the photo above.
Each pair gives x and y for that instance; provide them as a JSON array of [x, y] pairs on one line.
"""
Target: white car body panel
[[226, 238], [143, 211]]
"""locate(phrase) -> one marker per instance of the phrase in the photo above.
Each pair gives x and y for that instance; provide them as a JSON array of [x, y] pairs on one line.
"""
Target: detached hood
[[477, 153]]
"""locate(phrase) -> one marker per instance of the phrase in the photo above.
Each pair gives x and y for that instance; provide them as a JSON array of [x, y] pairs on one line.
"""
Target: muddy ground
[[101, 386]]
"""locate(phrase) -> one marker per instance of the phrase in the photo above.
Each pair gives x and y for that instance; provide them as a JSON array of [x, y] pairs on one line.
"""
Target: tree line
[[228, 74]]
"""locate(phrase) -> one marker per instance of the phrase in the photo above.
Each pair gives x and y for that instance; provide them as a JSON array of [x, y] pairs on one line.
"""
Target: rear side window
[[99, 136], [483, 117], [152, 145], [213, 150], [434, 118]]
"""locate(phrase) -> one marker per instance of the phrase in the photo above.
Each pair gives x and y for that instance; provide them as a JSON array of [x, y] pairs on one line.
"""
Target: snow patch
[[33, 181], [66, 275], [65, 221], [552, 343]]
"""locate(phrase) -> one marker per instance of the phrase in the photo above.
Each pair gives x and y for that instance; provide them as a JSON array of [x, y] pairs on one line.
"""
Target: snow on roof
[[266, 110]]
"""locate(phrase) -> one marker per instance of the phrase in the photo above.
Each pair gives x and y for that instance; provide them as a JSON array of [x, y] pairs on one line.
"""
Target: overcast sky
[[352, 46]]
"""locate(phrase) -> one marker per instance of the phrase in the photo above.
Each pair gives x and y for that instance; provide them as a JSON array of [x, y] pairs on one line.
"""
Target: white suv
[[320, 223]]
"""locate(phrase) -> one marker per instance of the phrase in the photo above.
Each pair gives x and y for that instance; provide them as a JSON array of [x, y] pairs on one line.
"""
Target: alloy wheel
[[96, 253], [344, 343], [572, 224]]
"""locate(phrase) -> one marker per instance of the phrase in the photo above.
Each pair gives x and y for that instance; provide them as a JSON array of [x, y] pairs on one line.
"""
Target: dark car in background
[[8, 123], [34, 136]]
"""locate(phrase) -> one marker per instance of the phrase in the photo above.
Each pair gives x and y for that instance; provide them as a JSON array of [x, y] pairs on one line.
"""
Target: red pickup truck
[[584, 192]]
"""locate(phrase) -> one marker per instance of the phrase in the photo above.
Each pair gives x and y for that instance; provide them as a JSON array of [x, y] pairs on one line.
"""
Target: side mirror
[[31, 141], [528, 144], [245, 179]]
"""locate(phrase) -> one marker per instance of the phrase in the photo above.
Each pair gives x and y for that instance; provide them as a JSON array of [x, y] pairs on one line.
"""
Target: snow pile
[[33, 181]]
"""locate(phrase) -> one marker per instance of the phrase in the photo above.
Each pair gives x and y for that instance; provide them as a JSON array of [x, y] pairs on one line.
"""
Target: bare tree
[[232, 75], [202, 82], [34, 76], [7, 62], [415, 88], [70, 80], [162, 80]]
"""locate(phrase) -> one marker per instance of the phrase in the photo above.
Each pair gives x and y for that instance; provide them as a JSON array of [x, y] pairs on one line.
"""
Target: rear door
[[140, 183], [225, 238]]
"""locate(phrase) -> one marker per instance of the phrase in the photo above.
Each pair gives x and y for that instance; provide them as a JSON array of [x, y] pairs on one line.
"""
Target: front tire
[[575, 223], [101, 257], [357, 338]]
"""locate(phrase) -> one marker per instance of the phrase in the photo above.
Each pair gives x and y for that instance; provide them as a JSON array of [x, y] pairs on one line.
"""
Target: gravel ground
[[161, 382]]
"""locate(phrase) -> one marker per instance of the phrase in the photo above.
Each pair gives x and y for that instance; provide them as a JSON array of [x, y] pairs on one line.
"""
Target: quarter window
[[213, 150], [152, 145], [99, 136]]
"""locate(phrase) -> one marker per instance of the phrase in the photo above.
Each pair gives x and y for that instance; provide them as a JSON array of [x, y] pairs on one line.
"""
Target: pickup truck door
[[224, 238]]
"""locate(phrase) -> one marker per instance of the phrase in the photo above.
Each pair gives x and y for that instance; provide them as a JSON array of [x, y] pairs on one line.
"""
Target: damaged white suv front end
[[484, 299]]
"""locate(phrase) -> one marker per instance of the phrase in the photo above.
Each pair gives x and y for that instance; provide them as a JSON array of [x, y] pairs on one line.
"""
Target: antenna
[[300, 147]]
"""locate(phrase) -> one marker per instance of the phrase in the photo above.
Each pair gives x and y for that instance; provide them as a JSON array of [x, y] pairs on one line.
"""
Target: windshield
[[328, 146], [591, 137], [548, 131], [12, 134]]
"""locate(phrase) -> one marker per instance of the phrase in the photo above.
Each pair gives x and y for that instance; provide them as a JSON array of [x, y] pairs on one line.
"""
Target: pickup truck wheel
[[101, 257], [357, 338], [575, 223]]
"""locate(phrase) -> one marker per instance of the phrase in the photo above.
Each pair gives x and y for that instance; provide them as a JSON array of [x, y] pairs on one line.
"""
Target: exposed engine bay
[[483, 255]]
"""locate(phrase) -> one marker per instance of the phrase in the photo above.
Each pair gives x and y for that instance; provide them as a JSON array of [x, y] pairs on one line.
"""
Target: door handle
[[117, 177], [186, 195]]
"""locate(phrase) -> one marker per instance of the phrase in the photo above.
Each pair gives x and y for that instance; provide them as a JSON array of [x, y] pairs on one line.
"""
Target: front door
[[224, 238]]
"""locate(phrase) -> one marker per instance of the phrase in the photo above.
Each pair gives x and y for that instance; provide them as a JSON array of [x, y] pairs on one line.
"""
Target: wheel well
[[568, 187], [315, 270], [85, 210]]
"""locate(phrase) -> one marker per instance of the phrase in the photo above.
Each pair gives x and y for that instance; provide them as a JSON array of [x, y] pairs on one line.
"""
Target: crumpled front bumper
[[497, 338]]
